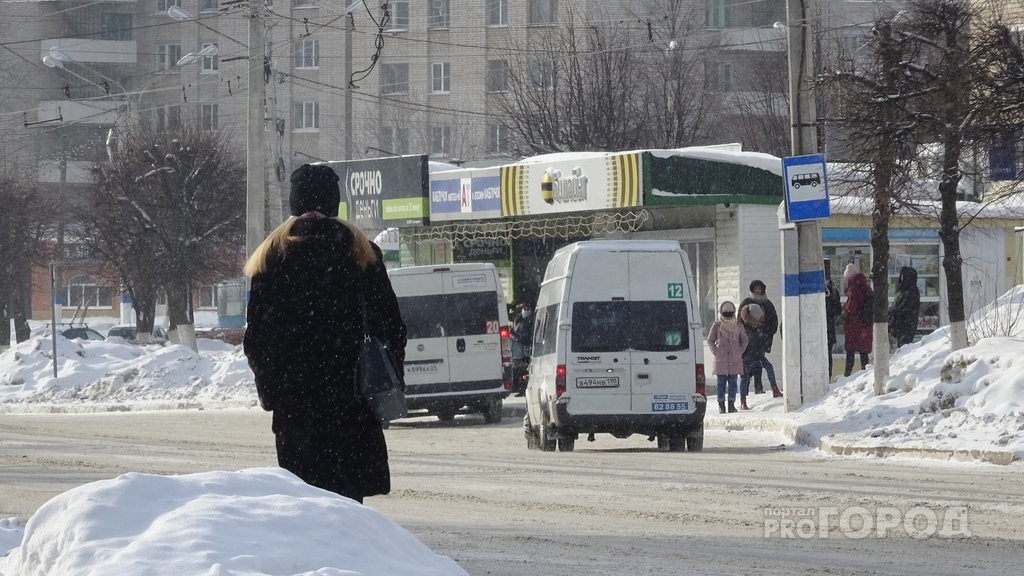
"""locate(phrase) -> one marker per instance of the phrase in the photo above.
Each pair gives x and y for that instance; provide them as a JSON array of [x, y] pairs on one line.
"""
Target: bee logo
[[547, 188]]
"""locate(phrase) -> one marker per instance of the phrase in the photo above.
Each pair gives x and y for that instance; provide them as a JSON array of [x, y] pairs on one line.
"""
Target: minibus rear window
[[450, 315], [651, 326]]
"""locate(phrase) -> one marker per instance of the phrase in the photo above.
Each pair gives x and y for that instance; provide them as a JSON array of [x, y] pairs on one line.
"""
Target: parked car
[[130, 333], [81, 333]]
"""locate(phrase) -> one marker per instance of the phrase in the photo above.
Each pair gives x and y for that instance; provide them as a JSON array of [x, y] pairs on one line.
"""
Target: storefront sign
[[572, 185], [471, 194], [384, 192]]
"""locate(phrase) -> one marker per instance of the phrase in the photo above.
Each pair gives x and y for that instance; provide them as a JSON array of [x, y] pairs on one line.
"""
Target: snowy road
[[473, 492]]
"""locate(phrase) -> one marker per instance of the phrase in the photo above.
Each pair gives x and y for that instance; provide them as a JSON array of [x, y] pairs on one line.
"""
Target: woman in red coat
[[857, 332]]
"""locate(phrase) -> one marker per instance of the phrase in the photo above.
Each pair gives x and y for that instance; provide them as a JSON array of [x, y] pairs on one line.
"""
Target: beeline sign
[[570, 188]]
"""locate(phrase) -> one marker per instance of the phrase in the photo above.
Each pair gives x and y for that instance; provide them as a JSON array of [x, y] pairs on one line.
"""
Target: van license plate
[[669, 406], [602, 382]]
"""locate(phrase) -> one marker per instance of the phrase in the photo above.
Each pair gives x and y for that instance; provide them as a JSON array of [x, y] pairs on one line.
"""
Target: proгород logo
[[857, 522]]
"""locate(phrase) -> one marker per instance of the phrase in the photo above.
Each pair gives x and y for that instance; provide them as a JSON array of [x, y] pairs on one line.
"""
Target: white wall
[[984, 266]]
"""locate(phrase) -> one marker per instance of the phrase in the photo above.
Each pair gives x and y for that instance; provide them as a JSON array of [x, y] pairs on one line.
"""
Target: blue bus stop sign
[[806, 187]]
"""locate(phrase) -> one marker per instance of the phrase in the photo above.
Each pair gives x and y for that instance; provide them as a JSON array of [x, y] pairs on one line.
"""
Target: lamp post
[[805, 350]]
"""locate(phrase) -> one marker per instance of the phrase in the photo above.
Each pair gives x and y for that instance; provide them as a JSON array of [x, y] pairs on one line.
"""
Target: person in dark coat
[[833, 308], [857, 332], [905, 308], [769, 327], [751, 317], [304, 327]]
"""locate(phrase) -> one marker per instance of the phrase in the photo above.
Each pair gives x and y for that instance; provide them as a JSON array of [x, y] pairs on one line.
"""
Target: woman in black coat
[[833, 309], [304, 326], [905, 308]]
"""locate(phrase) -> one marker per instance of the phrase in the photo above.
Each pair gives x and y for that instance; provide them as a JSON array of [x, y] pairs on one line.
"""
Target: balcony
[[88, 51], [77, 172], [102, 112]]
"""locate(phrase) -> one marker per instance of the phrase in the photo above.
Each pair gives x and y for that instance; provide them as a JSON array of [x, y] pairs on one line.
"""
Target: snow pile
[[98, 374], [971, 399], [253, 522]]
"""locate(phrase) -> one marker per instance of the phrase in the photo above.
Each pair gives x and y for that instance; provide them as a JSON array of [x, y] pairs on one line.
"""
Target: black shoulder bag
[[377, 379]]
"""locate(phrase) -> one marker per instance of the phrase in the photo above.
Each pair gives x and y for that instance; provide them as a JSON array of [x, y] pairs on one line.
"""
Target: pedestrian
[[769, 326], [751, 317], [727, 340], [903, 315], [522, 347], [857, 333], [310, 278], [833, 308]]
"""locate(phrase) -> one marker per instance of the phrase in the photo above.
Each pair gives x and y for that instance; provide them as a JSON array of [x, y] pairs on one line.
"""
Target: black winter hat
[[314, 188]]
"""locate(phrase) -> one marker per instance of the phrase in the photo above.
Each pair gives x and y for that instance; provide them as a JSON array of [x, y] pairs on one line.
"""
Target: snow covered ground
[[970, 400]]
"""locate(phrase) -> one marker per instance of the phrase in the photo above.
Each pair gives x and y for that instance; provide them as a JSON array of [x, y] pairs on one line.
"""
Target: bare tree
[[183, 193], [25, 221], [875, 105]]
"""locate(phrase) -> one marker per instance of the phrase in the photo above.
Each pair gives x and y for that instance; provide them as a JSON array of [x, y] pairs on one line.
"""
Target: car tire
[[695, 440], [547, 444], [532, 438], [566, 444], [445, 414], [493, 411]]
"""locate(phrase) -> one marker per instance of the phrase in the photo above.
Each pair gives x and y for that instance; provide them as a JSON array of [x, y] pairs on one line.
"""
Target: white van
[[617, 347], [458, 353]]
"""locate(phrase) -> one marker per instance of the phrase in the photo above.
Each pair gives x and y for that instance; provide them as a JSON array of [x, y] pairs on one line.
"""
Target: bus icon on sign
[[812, 179]]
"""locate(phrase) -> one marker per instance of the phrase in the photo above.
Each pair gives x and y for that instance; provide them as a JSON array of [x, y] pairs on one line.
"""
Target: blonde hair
[[276, 243]]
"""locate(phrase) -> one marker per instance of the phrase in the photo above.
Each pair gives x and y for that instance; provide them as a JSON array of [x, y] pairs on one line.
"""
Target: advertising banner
[[572, 185], [381, 193], [470, 194]]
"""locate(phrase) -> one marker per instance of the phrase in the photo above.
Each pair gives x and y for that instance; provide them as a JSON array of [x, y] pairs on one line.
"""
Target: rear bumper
[[454, 395], [653, 423]]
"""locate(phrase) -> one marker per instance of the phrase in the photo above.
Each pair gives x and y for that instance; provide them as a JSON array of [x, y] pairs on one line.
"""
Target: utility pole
[[805, 360], [255, 149], [349, 29]]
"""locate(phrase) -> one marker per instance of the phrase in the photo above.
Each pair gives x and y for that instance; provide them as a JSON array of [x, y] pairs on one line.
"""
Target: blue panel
[[486, 194], [845, 235], [445, 196], [809, 282]]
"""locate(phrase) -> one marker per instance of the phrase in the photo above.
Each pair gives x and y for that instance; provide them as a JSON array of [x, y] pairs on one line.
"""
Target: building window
[[497, 12], [166, 118], [209, 5], [542, 74], [167, 56], [440, 140], [394, 79], [305, 116], [439, 15], [208, 297], [721, 80], [115, 26], [163, 5], [496, 76], [85, 291], [209, 117], [497, 139], [399, 15], [720, 13], [307, 53], [305, 3], [440, 77], [543, 11], [210, 63], [395, 139]]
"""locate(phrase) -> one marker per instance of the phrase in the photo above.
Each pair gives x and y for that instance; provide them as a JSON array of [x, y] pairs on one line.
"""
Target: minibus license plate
[[601, 382]]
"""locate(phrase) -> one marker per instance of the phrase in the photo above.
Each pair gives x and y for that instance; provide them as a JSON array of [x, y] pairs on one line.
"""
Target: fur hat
[[314, 189], [851, 271], [755, 311]]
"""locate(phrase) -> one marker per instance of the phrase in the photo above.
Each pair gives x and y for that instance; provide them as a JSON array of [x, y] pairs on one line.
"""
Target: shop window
[[702, 263], [208, 297]]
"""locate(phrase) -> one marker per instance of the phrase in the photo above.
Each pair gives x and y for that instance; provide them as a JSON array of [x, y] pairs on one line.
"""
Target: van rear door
[[598, 372], [473, 330], [661, 356], [426, 353]]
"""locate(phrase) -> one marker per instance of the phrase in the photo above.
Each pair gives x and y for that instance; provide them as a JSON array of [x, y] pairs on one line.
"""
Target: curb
[[801, 435]]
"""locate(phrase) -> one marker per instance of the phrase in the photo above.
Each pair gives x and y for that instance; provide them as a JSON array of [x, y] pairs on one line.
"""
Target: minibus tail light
[[701, 380], [506, 356], [560, 380]]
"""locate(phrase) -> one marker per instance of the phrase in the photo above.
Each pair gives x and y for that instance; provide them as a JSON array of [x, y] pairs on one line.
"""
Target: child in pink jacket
[[727, 341]]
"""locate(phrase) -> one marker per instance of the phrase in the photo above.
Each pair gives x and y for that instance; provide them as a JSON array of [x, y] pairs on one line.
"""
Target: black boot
[[732, 407], [721, 407]]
